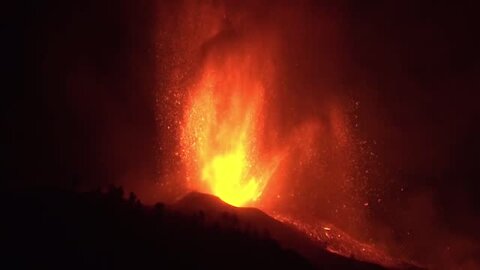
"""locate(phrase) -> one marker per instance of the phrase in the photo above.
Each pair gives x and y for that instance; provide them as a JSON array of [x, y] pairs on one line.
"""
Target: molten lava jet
[[257, 121], [223, 129]]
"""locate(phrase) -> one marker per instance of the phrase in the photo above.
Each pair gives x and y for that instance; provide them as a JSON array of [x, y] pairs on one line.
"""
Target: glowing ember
[[223, 122], [339, 242]]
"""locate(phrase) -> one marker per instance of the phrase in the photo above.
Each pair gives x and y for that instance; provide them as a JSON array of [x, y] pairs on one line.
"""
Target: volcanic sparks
[[223, 122]]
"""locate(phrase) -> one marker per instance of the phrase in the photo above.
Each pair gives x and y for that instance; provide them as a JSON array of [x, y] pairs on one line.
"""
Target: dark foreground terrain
[[65, 229]]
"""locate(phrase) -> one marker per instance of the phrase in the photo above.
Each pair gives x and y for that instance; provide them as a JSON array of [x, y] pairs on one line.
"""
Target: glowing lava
[[223, 122]]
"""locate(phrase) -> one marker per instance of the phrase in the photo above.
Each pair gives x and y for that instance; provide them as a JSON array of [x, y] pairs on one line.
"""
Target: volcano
[[319, 252], [62, 229]]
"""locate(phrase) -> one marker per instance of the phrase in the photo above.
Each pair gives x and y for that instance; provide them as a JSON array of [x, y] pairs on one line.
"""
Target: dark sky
[[420, 63], [80, 81], [80, 91], [418, 67]]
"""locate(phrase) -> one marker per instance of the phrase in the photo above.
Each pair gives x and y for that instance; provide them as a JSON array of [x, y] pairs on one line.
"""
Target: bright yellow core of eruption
[[227, 175], [221, 134]]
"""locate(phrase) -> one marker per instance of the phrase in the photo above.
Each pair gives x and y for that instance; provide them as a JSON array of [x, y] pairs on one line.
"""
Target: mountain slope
[[214, 211]]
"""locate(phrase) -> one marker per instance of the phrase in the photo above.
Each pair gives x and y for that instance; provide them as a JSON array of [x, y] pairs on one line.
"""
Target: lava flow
[[223, 122]]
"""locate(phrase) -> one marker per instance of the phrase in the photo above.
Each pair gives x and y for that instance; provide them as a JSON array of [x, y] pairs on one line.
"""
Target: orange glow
[[222, 131], [257, 112]]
